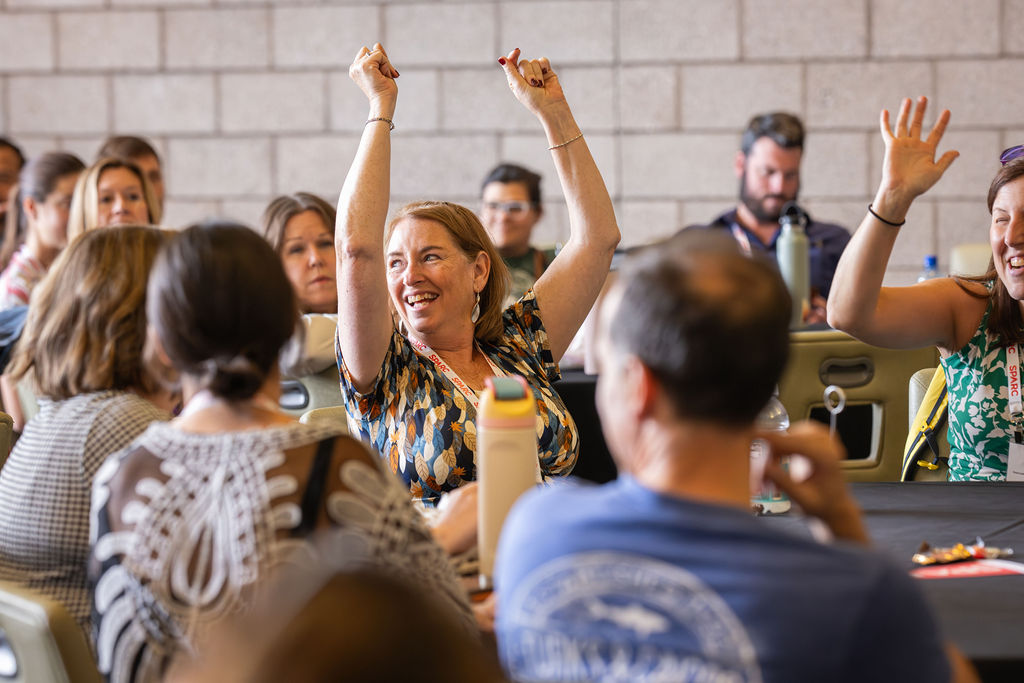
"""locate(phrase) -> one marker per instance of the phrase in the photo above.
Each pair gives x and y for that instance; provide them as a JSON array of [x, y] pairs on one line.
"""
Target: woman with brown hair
[[976, 322], [83, 348], [112, 192], [39, 215], [422, 298], [300, 228], [195, 514]]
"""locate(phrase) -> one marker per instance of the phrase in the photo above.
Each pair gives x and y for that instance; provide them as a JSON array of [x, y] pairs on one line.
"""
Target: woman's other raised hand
[[910, 168], [373, 72], [533, 82]]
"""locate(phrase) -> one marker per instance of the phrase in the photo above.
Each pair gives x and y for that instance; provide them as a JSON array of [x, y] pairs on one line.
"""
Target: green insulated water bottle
[[791, 250]]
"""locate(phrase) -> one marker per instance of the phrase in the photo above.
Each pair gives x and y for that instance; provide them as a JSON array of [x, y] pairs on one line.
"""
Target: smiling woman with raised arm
[[976, 322], [422, 295]]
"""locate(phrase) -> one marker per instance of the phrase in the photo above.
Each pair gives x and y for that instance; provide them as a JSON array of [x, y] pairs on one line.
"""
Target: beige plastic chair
[[969, 258], [919, 382], [322, 390], [331, 416], [39, 641], [870, 376]]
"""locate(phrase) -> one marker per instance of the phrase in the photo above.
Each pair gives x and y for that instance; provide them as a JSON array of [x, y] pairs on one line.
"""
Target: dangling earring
[[400, 324], [475, 315]]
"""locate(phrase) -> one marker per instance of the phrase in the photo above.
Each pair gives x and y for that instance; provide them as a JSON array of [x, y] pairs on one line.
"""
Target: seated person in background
[[112, 192], [83, 348], [421, 300], [11, 163], [39, 211], [976, 322], [141, 153], [666, 573], [192, 516], [768, 167], [300, 228], [510, 207], [342, 620]]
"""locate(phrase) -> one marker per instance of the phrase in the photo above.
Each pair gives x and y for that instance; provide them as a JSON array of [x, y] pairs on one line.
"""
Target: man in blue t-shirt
[[665, 574]]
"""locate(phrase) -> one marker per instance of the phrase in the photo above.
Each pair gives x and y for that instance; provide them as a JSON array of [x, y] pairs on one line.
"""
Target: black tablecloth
[[984, 616], [594, 462]]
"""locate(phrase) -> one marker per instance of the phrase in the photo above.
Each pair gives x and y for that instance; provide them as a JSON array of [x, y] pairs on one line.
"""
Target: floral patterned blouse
[[424, 427], [979, 417]]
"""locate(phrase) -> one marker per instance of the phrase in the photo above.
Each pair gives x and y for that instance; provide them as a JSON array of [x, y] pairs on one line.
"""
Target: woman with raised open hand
[[422, 296], [976, 322]]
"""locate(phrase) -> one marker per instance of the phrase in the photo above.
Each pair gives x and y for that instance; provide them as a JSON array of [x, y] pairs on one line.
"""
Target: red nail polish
[[501, 60]]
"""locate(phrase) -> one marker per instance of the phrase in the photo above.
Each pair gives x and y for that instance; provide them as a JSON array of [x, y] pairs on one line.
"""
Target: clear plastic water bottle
[[931, 268], [773, 417]]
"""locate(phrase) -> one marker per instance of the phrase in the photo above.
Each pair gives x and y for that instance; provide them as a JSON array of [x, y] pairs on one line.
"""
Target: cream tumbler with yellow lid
[[507, 463]]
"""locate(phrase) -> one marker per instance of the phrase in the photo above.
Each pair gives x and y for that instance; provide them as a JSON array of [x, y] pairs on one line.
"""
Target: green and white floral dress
[[979, 417]]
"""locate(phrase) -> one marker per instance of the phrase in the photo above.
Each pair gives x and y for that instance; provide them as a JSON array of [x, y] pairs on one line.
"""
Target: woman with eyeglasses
[[510, 207], [423, 296], [976, 322]]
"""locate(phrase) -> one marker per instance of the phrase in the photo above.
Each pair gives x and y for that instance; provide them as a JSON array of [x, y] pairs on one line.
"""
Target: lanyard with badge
[[742, 239], [1015, 459], [450, 374]]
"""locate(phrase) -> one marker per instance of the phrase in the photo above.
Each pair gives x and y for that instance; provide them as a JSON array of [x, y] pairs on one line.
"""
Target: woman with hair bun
[[191, 518]]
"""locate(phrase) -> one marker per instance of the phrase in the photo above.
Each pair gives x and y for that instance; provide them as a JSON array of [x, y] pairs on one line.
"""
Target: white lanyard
[[450, 374], [1013, 389], [742, 238]]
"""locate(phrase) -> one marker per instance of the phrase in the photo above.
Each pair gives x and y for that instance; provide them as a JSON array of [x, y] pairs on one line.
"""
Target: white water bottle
[[930, 270], [506, 459], [768, 500], [793, 254]]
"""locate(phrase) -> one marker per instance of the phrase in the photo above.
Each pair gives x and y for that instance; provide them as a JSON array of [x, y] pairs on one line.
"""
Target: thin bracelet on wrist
[[380, 118], [882, 220], [563, 144]]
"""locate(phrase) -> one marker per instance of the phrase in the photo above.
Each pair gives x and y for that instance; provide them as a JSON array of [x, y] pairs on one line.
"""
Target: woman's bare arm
[[922, 315], [365, 324], [568, 288]]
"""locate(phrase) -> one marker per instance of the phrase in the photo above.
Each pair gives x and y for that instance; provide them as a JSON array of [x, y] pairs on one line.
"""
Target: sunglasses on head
[[1011, 153]]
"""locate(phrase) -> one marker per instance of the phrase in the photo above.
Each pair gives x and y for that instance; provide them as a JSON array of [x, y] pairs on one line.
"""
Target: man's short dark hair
[[711, 323], [782, 128], [7, 144], [126, 148], [511, 173]]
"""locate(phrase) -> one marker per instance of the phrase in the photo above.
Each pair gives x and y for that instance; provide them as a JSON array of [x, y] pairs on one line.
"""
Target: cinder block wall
[[246, 99]]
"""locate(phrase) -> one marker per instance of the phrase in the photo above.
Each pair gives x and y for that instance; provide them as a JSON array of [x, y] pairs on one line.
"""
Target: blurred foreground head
[[710, 323]]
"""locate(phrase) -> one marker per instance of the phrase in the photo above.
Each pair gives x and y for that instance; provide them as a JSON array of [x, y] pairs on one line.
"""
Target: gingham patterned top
[[45, 487]]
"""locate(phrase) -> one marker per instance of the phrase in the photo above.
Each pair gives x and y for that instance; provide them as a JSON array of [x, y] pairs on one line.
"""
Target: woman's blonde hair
[[85, 201], [86, 327], [471, 237]]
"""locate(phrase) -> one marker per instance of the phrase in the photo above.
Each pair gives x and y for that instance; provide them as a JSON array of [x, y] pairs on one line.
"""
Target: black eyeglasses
[[1011, 153]]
